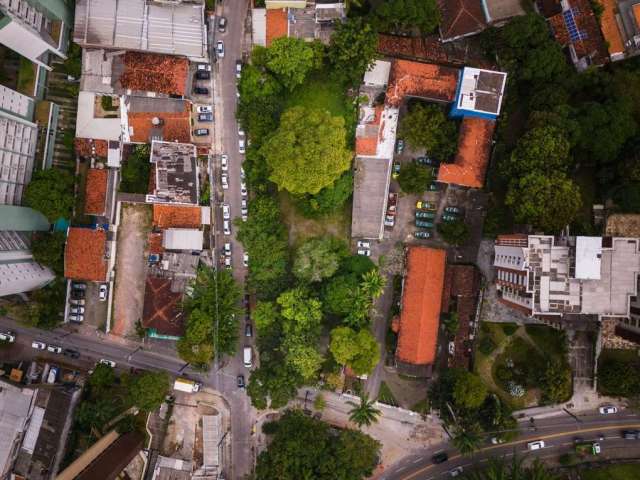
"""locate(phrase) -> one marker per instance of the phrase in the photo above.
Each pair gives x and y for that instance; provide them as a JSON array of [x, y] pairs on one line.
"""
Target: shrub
[[509, 328], [487, 345]]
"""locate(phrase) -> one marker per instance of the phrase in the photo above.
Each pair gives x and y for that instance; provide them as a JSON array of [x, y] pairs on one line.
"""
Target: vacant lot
[[134, 226], [613, 472]]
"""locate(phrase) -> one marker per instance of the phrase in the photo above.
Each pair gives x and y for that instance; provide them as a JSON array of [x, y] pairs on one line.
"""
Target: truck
[[188, 386]]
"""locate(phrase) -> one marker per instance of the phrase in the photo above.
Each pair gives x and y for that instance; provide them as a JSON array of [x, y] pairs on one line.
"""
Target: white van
[[537, 445], [247, 354]]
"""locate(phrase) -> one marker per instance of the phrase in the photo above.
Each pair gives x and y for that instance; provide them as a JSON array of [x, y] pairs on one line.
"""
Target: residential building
[[421, 304], [19, 272], [96, 190], [86, 254], [464, 18], [176, 173], [172, 28], [18, 139], [16, 410], [150, 119], [479, 93], [36, 29], [162, 316], [179, 216], [547, 277], [620, 24]]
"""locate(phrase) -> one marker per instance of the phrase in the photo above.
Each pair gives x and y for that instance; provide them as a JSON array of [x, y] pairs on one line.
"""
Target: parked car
[[447, 217], [75, 301], [422, 205], [395, 170], [248, 330], [201, 132], [204, 109], [537, 445], [76, 318], [204, 67], [227, 263], [440, 457], [433, 187], [102, 292], [7, 337], [227, 249], [224, 162], [109, 363], [427, 161], [424, 224], [421, 234], [226, 211], [453, 210], [456, 471], [389, 220], [203, 75], [607, 409], [243, 189], [240, 381], [77, 294], [205, 117], [242, 175], [38, 345], [76, 309], [497, 440], [245, 259], [224, 178], [79, 286], [220, 48], [238, 68], [364, 244], [54, 349], [69, 352], [201, 90], [423, 214], [364, 251], [226, 227], [399, 146], [241, 145], [222, 24], [630, 434]]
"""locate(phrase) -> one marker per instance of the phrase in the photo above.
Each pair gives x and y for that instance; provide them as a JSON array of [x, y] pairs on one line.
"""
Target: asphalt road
[[223, 376], [558, 433]]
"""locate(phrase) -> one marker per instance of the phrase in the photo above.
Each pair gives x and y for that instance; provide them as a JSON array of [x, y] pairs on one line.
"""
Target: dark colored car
[[423, 214], [440, 457], [399, 146], [248, 330], [222, 24], [77, 294], [71, 353], [630, 434], [205, 117], [203, 75], [201, 90], [424, 224], [427, 161], [240, 381], [201, 132]]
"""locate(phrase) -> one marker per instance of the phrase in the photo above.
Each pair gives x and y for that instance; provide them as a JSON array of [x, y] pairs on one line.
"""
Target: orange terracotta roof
[[636, 14], [86, 147], [609, 27], [366, 145], [424, 80], [461, 18], [474, 148], [175, 216], [421, 303], [150, 72], [161, 310], [84, 255], [277, 24], [368, 132], [95, 195], [175, 127], [154, 243]]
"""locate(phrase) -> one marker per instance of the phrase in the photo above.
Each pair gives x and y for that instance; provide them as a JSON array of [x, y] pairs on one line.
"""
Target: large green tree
[[318, 258], [467, 440], [415, 178], [353, 49], [358, 350], [427, 126], [404, 15], [50, 192], [48, 250], [543, 149], [308, 152], [469, 391], [546, 202], [338, 294], [147, 390], [211, 313], [291, 59], [305, 448], [454, 233], [327, 200]]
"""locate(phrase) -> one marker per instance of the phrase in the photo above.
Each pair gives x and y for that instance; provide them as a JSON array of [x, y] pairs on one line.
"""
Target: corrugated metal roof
[[182, 239], [210, 439]]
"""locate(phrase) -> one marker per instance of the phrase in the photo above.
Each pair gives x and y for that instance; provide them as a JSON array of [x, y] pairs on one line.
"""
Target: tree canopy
[[427, 126], [147, 390], [48, 250], [318, 258], [454, 233], [403, 15], [543, 149], [353, 49], [291, 59], [308, 151], [415, 178], [327, 200], [50, 192], [469, 391], [358, 350], [135, 170]]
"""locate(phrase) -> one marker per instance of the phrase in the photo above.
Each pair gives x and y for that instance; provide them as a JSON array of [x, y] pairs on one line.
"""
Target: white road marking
[[417, 460]]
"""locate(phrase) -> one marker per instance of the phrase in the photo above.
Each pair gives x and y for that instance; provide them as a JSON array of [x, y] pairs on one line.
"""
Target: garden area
[[612, 472], [525, 365], [610, 364]]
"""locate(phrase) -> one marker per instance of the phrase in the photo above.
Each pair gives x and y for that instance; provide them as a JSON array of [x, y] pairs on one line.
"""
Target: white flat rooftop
[[588, 254]]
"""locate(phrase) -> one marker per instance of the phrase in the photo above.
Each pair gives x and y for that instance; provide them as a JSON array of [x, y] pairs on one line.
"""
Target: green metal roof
[[22, 219]]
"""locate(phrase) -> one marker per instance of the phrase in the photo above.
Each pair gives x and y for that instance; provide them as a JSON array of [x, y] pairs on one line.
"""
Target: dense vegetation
[[135, 170], [610, 379], [50, 192]]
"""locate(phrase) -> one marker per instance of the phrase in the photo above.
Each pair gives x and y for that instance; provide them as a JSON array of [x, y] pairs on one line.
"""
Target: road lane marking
[[520, 442], [417, 460]]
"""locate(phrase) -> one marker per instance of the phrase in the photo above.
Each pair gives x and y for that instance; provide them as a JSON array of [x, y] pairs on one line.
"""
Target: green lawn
[[549, 340], [26, 76], [385, 395], [613, 472]]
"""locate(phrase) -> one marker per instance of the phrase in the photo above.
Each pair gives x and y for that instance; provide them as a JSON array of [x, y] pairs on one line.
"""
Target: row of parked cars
[[77, 300], [425, 216]]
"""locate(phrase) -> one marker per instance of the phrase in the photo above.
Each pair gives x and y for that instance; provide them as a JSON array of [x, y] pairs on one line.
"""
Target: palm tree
[[467, 440], [364, 413], [373, 283]]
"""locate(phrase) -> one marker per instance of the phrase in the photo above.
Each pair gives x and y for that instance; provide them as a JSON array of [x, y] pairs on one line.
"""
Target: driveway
[[131, 268]]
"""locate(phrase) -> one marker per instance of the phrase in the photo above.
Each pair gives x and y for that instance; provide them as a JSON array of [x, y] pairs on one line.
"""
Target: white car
[[240, 131], [238, 68], [204, 109], [244, 213], [241, 145], [76, 318], [226, 211], [364, 244], [102, 294], [596, 448], [243, 203], [606, 410], [204, 67], [109, 363], [537, 445], [220, 48], [242, 173], [38, 345], [224, 162], [54, 349], [227, 249], [455, 472], [245, 259], [76, 310], [364, 251], [227, 263], [226, 227], [243, 189], [8, 337], [225, 181]]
